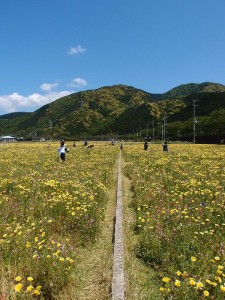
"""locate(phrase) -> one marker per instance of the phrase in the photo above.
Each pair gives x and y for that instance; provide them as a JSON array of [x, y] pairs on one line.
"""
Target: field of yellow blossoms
[[179, 203], [48, 209]]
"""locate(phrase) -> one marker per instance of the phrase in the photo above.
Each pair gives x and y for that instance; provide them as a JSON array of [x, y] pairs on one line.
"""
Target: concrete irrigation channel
[[118, 282]]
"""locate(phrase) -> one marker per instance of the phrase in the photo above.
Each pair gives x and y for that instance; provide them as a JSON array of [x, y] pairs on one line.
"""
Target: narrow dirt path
[[118, 284], [96, 262]]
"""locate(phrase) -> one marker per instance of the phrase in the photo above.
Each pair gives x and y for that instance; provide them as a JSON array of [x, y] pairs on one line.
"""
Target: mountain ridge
[[114, 109], [181, 90]]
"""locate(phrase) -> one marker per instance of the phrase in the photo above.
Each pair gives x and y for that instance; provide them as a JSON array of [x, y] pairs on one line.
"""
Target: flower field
[[48, 209], [179, 203]]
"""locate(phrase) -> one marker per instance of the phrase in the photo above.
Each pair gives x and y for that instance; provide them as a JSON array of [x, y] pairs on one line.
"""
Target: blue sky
[[51, 48]]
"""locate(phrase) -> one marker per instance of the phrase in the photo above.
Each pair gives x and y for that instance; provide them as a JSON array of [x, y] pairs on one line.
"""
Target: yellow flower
[[29, 288], [177, 283], [222, 288], [217, 258], [62, 259], [18, 287], [179, 273], [162, 289], [18, 278], [166, 279], [36, 292], [28, 245], [218, 279], [30, 278], [192, 282], [206, 293], [199, 285], [193, 258]]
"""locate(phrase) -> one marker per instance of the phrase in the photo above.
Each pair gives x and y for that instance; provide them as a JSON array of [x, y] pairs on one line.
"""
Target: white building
[[7, 138]]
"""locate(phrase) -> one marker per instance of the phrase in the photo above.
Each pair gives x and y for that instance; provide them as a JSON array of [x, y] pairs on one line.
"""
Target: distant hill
[[192, 88], [125, 111], [91, 111], [13, 115]]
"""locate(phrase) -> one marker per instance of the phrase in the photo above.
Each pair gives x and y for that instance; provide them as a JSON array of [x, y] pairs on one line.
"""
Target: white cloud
[[77, 83], [48, 86], [16, 103], [76, 50]]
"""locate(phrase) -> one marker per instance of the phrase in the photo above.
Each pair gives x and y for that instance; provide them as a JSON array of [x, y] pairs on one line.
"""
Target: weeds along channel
[[48, 210], [179, 201]]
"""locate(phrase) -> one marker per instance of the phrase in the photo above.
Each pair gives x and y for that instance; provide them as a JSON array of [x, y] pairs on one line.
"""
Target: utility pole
[[153, 130], [147, 131], [194, 120], [164, 128], [50, 126]]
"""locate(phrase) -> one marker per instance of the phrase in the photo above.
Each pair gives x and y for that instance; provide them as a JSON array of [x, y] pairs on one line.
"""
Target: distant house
[[8, 138]]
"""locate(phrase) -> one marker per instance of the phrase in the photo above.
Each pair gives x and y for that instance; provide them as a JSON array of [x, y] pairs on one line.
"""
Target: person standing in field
[[145, 145], [62, 150], [165, 147]]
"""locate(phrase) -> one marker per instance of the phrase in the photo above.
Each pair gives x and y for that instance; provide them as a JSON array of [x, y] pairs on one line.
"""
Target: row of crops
[[48, 209], [179, 204]]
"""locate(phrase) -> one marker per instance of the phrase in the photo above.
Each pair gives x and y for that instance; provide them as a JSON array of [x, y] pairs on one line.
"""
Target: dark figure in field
[[146, 145], [90, 146], [62, 150], [85, 143], [165, 146], [121, 147], [74, 145]]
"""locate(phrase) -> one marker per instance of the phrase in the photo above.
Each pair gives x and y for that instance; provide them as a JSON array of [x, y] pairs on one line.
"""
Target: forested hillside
[[127, 112]]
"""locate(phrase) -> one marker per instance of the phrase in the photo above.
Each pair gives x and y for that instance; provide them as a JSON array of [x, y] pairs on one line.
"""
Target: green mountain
[[192, 88], [13, 115], [125, 110]]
